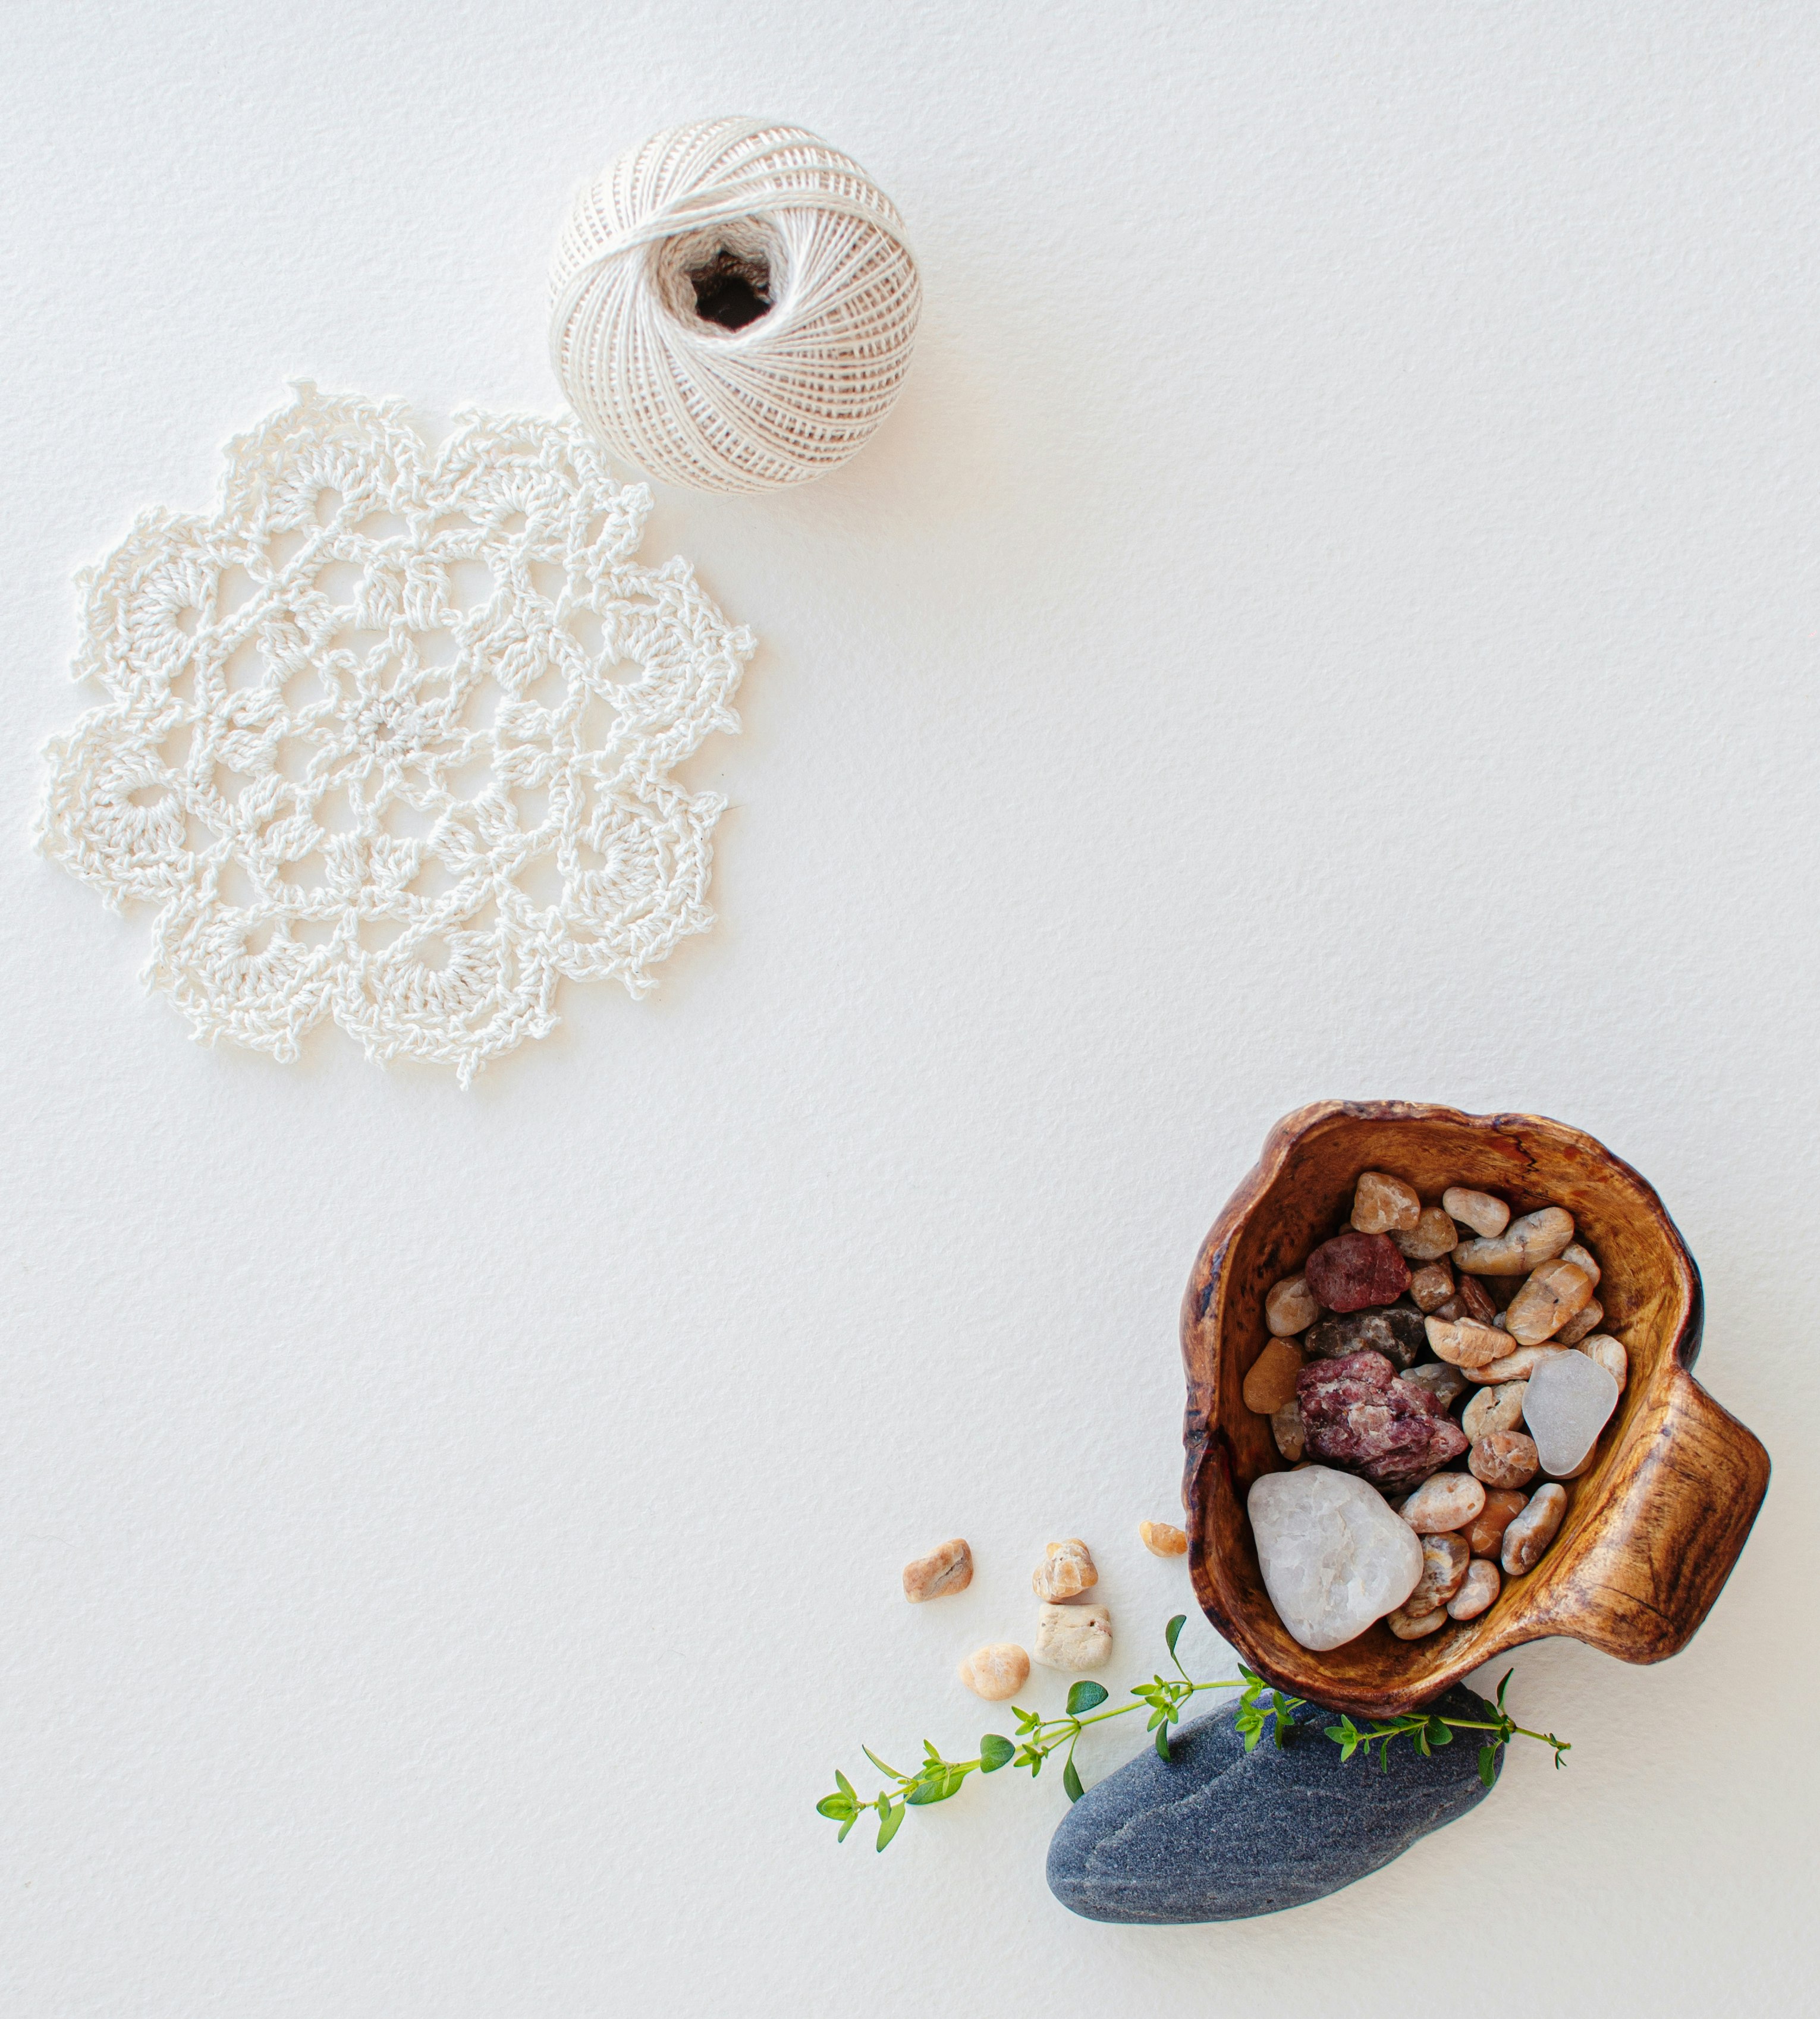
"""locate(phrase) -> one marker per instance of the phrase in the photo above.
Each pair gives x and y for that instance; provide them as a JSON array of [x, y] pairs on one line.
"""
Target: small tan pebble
[[1431, 1284], [1478, 1590], [1577, 1253], [997, 1672], [1286, 1428], [1485, 1537], [1446, 1384], [1066, 1569], [1290, 1307], [942, 1572], [1610, 1354], [1073, 1638], [1504, 1458], [1533, 1530], [1433, 1236], [1499, 1408], [1485, 1215], [1408, 1626], [1444, 1559], [1161, 1539], [1271, 1381], [1384, 1205], [1445, 1502], [1582, 1325], [1524, 1244], [1517, 1366], [1465, 1342], [1473, 1294], [1555, 1292]]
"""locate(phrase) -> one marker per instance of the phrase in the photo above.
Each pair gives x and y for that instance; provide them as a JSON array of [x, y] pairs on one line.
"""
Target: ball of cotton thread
[[733, 306]]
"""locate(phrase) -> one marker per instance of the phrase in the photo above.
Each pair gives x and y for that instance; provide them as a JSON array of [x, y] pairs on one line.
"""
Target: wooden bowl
[[1652, 1528]]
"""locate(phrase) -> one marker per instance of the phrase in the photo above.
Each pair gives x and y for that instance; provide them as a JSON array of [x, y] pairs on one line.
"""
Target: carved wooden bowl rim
[[1652, 1529]]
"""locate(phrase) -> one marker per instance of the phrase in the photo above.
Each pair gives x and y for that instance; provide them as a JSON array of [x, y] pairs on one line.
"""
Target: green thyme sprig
[[1261, 1709]]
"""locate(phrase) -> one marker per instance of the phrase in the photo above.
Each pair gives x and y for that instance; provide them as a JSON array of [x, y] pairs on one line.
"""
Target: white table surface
[[1334, 613]]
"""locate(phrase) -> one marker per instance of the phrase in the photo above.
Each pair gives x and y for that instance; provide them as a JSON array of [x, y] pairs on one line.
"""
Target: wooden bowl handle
[[1691, 1480]]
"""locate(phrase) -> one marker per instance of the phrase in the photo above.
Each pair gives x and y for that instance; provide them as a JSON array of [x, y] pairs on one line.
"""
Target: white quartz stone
[[1333, 1555], [1568, 1401]]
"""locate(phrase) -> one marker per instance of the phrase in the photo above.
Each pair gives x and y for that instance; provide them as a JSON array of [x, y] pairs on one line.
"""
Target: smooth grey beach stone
[[1217, 1833]]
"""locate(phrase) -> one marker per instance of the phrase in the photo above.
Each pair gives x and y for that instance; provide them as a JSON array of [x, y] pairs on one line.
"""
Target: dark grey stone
[[1215, 1834], [1397, 1331]]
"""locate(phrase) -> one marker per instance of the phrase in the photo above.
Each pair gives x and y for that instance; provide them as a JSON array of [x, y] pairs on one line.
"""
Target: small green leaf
[[1163, 1742], [1488, 1756], [1173, 1632], [845, 1827], [1071, 1781], [1337, 1733], [1084, 1696], [878, 1762], [995, 1753], [1440, 1731], [845, 1785], [837, 1808], [1503, 1686], [892, 1824]]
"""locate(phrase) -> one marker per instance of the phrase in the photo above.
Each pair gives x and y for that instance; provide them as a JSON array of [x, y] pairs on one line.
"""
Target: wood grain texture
[[1652, 1529]]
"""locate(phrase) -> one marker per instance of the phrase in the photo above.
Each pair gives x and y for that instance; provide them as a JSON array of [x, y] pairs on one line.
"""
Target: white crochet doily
[[389, 737]]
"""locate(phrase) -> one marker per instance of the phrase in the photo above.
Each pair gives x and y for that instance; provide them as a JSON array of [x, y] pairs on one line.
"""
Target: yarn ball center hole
[[732, 290]]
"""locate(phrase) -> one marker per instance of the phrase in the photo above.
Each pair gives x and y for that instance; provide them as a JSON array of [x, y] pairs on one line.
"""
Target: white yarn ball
[[726, 219]]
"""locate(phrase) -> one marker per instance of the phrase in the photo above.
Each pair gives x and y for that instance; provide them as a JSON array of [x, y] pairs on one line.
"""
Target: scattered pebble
[[1333, 1556], [1286, 1428], [1161, 1539], [1434, 1235], [1074, 1637], [1271, 1381], [1533, 1530], [1610, 1353], [1485, 1215], [948, 1569], [1569, 1402], [1499, 1408], [1382, 1205], [1479, 1590], [1066, 1570], [1557, 1292], [1524, 1244], [1290, 1307], [1397, 1333], [1444, 1502], [1485, 1537], [1504, 1458], [1353, 1270], [997, 1672]]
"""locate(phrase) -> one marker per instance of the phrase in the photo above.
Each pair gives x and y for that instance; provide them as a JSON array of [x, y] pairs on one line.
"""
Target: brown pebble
[[1384, 1205], [1533, 1530], [1485, 1537], [942, 1572], [1581, 1325], [1430, 1285], [1499, 1408], [1408, 1626], [1433, 1236], [1610, 1354], [1286, 1428], [1271, 1381], [997, 1672], [1517, 1365], [1445, 1558], [1290, 1307], [1524, 1244], [1478, 1592], [1162, 1538], [1443, 1503], [1582, 1258], [1504, 1458], [1485, 1215], [1554, 1293], [1466, 1343], [1066, 1570]]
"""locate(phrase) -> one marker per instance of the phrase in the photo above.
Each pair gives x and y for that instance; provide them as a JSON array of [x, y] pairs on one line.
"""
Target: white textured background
[[1335, 613]]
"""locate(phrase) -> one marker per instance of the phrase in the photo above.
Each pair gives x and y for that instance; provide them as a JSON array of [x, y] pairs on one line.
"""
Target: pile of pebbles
[[1410, 1309]]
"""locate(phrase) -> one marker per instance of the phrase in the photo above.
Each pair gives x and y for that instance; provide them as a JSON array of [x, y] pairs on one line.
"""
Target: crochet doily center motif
[[389, 738]]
